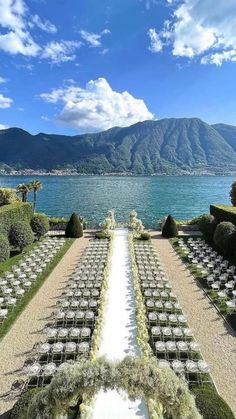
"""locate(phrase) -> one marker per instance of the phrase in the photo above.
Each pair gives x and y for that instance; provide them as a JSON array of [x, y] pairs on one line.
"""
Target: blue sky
[[83, 65]]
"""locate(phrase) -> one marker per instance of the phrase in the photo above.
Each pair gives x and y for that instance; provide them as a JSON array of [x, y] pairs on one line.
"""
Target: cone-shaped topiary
[[74, 229], [170, 228]]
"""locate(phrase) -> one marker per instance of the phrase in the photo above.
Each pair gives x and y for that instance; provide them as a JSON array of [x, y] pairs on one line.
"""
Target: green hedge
[[210, 404], [223, 213], [12, 214], [57, 223]]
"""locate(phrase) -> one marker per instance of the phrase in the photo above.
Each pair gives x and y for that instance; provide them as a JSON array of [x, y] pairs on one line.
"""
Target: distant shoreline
[[69, 174]]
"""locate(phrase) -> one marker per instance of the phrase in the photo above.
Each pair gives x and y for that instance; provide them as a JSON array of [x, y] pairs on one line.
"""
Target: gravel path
[[218, 343], [28, 328], [119, 332]]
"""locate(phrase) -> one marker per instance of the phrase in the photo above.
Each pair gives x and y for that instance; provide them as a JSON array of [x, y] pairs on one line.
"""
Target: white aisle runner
[[119, 332]]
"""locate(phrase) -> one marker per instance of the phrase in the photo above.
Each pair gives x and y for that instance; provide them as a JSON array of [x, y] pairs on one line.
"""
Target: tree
[[23, 189], [233, 193], [170, 228], [74, 229], [35, 185]]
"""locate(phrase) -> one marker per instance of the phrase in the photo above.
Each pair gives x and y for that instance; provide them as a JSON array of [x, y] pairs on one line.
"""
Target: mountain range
[[167, 146]]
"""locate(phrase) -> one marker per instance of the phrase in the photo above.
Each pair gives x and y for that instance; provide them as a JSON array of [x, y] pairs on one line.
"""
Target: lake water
[[152, 197]]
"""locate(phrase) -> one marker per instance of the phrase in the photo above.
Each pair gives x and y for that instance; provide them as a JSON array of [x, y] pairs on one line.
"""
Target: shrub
[[144, 236], [19, 410], [74, 228], [12, 213], [57, 223], [207, 225], [21, 235], [194, 221], [39, 225], [225, 237], [233, 194], [4, 248], [170, 228], [223, 213], [7, 196], [210, 404], [102, 235]]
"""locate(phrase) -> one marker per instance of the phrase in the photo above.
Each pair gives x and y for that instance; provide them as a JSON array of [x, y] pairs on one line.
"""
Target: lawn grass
[[23, 302], [201, 278], [16, 257]]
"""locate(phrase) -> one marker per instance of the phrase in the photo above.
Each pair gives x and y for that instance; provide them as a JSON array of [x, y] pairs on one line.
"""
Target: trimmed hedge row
[[57, 223], [4, 248], [14, 213], [223, 213]]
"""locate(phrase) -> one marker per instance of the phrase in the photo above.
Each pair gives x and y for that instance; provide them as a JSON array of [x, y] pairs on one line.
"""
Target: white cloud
[[94, 39], [219, 57], [2, 80], [60, 52], [149, 3], [5, 102], [3, 126], [97, 107], [16, 37], [45, 118], [204, 29], [104, 51], [156, 44], [44, 25]]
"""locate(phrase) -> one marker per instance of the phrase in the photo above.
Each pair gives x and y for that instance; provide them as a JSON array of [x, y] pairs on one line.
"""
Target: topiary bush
[[210, 404], [74, 229], [102, 235], [4, 248], [21, 235], [170, 228], [39, 225], [144, 236], [225, 237], [207, 225]]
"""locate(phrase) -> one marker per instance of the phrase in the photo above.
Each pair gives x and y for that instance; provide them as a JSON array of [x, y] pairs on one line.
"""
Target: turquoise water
[[152, 197]]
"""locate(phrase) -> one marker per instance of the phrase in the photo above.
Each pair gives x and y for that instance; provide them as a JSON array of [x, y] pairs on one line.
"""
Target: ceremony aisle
[[119, 332]]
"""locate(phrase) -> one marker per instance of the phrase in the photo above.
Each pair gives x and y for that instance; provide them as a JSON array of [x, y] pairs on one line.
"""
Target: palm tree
[[23, 189], [36, 185]]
